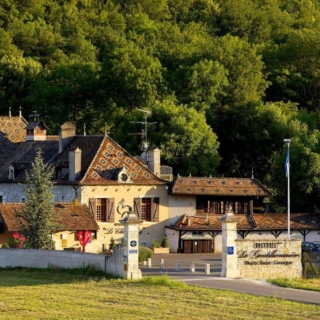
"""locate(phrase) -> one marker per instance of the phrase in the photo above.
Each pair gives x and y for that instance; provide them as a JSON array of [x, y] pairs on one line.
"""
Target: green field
[[58, 294]]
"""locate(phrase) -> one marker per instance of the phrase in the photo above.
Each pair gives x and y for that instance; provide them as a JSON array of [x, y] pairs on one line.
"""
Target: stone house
[[92, 169]]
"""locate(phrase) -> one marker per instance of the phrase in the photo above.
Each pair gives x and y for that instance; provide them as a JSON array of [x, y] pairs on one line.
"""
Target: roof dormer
[[36, 130], [123, 176]]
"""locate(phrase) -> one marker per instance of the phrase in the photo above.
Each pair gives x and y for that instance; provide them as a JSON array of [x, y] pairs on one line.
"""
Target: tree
[[38, 219]]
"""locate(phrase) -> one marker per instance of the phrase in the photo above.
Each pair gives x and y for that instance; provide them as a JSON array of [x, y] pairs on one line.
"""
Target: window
[[101, 210], [146, 209]]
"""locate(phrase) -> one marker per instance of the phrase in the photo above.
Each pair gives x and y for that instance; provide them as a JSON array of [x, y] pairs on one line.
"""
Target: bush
[[156, 243], [112, 244], [145, 253], [165, 243]]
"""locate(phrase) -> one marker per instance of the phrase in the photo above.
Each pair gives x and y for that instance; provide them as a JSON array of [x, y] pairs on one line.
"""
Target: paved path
[[213, 280]]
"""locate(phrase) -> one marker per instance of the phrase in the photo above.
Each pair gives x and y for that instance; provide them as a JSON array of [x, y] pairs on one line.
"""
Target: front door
[[197, 246]]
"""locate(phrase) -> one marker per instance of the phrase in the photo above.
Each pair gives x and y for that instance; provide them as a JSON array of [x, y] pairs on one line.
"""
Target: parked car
[[313, 248]]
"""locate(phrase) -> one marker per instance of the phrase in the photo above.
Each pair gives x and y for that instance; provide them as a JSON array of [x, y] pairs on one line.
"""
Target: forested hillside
[[226, 80]]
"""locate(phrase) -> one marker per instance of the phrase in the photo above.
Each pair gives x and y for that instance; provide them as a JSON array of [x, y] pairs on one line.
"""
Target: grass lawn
[[58, 294], [305, 284]]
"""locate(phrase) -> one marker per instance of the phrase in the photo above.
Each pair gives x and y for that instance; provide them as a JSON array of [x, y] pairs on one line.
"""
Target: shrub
[[112, 244], [165, 243], [145, 253], [156, 243]]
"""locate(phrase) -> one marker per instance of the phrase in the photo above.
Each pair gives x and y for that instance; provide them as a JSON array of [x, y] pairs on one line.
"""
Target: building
[[94, 170], [200, 203]]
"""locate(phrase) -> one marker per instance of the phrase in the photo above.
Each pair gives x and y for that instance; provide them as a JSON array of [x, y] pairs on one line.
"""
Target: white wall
[[173, 239]]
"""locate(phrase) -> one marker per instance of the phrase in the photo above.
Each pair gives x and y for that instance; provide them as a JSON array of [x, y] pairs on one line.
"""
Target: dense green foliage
[[145, 253], [38, 219], [226, 80]]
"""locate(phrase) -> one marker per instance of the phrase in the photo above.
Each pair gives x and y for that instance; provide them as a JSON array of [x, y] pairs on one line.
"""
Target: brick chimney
[[66, 132], [74, 164]]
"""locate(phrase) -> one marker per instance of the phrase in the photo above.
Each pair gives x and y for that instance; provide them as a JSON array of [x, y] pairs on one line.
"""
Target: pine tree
[[38, 219]]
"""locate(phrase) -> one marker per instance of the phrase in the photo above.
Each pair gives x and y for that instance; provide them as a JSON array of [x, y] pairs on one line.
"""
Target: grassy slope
[[34, 294]]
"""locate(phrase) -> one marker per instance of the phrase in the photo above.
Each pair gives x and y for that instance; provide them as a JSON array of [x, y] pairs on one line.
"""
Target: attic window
[[119, 154], [110, 148], [12, 137], [102, 161], [128, 161], [133, 175], [137, 168], [16, 131], [98, 168], [146, 175], [9, 124], [21, 124], [94, 175], [115, 161], [4, 150], [106, 154]]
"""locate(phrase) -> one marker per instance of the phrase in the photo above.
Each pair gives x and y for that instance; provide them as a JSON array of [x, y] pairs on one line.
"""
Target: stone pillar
[[229, 237], [131, 247]]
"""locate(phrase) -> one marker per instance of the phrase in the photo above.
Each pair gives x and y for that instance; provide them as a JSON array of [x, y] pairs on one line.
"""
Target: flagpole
[[287, 141]]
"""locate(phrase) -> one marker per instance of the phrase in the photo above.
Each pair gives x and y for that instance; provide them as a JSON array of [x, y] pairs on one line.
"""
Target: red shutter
[[155, 210], [137, 207], [110, 210]]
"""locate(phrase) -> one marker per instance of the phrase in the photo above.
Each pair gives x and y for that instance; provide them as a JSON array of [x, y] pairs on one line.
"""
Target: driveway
[[213, 280]]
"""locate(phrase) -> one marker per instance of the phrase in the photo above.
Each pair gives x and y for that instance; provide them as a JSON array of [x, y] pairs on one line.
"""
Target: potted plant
[[112, 245], [160, 247]]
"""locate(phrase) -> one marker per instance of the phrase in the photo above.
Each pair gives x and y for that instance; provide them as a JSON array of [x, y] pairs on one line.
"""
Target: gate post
[[131, 246], [229, 237]]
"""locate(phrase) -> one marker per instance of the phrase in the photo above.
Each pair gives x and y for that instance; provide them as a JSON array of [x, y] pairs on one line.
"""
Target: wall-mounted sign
[[133, 251], [230, 250], [133, 243]]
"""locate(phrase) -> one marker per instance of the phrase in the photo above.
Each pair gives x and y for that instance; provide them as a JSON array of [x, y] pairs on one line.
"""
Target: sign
[[133, 251], [133, 243], [230, 250]]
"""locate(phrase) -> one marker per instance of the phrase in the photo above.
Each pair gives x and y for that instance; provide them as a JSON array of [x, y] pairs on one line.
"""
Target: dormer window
[[123, 176], [11, 172]]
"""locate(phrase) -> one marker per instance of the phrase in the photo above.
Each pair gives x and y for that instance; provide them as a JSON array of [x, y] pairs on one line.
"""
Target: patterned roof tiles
[[109, 158], [218, 186]]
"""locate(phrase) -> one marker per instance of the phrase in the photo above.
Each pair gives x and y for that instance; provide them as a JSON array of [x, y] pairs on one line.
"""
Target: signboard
[[133, 251], [133, 243], [230, 250]]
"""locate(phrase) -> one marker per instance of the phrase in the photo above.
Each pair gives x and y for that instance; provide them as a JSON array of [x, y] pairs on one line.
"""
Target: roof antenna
[[84, 129], [105, 129], [20, 112], [9, 111], [144, 133], [252, 175]]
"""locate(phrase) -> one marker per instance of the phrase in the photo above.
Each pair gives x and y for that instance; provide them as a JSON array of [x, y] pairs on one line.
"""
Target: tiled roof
[[22, 154], [261, 221], [72, 217], [111, 157], [218, 187]]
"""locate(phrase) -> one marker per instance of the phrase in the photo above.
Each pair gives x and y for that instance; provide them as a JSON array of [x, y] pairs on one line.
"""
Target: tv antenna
[[144, 133]]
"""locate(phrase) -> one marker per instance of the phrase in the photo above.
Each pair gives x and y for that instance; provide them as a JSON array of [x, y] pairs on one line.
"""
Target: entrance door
[[197, 246]]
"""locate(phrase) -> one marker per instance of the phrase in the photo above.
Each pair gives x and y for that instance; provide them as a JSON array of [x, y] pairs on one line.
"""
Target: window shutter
[[155, 210], [110, 210], [137, 207], [93, 207]]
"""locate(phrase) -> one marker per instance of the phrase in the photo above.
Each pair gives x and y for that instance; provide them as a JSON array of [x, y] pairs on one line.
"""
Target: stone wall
[[263, 259], [32, 258]]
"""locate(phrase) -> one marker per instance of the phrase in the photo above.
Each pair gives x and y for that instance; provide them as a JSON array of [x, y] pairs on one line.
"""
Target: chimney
[[74, 164], [66, 132], [153, 157], [36, 130]]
